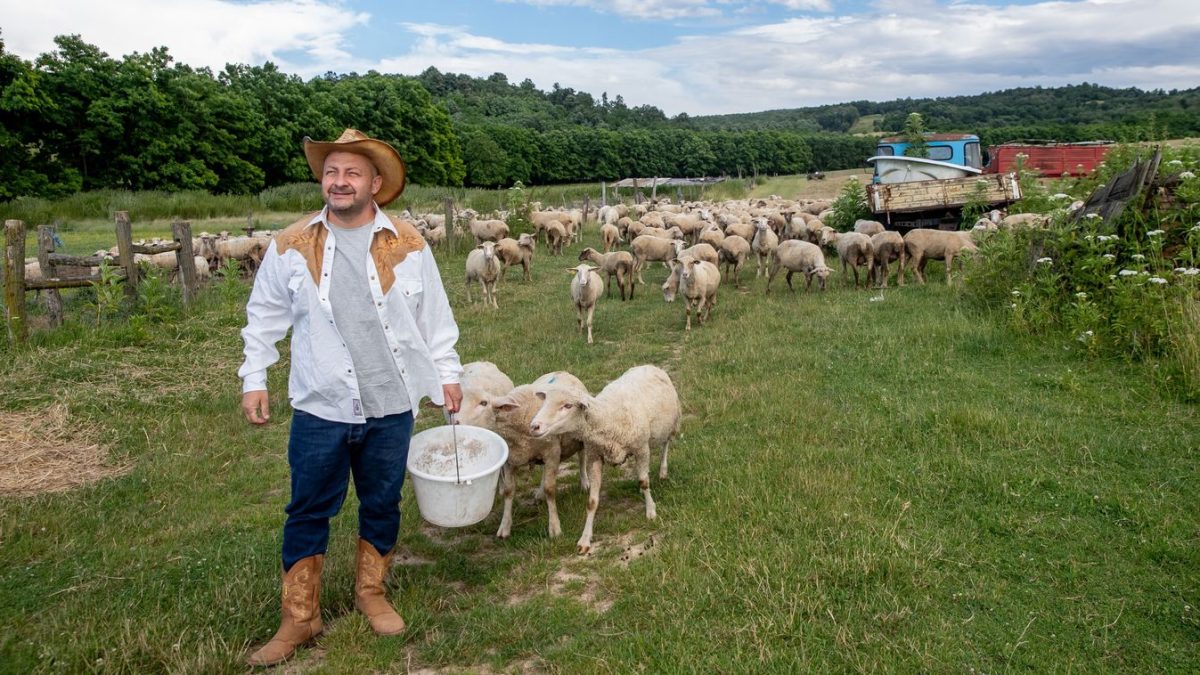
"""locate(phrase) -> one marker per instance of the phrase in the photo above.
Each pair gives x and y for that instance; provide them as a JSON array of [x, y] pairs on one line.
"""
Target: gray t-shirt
[[354, 314]]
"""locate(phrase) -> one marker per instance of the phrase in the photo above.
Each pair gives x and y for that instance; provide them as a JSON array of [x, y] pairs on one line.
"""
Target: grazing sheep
[[888, 246], [488, 230], [638, 410], [853, 249], [247, 251], [698, 284], [435, 236], [742, 229], [512, 414], [556, 236], [672, 233], [799, 256], [868, 227], [699, 252], [713, 236], [647, 248], [483, 266], [732, 254], [514, 252], [921, 245], [623, 226], [586, 288], [610, 236], [482, 382], [765, 240], [542, 219], [617, 264], [1032, 220]]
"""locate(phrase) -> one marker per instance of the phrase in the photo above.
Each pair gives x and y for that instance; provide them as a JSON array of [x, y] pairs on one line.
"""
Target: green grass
[[895, 485]]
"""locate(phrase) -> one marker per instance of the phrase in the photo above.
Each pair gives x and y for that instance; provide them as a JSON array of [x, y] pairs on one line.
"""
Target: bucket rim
[[464, 478]]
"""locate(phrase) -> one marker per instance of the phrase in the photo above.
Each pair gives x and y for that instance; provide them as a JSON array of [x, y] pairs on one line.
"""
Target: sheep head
[[562, 411], [581, 273]]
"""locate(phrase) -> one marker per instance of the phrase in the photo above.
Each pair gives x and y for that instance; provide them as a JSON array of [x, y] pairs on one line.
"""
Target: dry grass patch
[[48, 451]]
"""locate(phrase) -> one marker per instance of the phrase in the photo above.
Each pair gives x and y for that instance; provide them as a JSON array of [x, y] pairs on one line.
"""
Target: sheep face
[[476, 410], [581, 272], [561, 412], [527, 240], [489, 250]]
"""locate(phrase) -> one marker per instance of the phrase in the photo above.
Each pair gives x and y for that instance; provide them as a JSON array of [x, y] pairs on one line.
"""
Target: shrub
[[850, 206]]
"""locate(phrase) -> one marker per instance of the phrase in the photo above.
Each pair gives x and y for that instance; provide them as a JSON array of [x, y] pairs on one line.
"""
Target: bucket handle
[[454, 436]]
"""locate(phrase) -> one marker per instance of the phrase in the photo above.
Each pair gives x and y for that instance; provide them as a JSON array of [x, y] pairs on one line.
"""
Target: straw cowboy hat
[[385, 158]]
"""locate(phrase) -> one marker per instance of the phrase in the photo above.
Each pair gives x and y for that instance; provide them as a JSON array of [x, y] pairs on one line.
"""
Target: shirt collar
[[381, 222]]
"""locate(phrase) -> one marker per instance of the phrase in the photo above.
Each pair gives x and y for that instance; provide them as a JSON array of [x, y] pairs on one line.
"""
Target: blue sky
[[693, 56]]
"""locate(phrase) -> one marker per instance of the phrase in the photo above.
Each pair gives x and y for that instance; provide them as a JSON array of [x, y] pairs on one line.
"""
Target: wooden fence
[[56, 269]]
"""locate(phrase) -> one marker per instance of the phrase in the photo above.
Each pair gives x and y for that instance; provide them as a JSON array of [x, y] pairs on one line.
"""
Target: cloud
[[198, 32], [638, 9]]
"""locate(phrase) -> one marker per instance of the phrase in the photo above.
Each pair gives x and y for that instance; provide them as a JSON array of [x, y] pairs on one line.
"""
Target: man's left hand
[[452, 393]]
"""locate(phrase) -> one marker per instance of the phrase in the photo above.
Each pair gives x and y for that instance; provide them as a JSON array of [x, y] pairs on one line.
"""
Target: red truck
[[1051, 160]]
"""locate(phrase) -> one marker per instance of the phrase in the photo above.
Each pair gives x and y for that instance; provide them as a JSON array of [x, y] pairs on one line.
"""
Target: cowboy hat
[[385, 158]]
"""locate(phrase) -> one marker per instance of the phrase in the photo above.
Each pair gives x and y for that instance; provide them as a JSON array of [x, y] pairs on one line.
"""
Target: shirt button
[[379, 304]]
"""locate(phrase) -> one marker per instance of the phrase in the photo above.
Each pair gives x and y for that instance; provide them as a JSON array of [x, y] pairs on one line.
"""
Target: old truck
[[931, 191], [1048, 158]]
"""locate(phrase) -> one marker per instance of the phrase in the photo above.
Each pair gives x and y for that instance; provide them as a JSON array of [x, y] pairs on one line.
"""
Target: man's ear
[[376, 184]]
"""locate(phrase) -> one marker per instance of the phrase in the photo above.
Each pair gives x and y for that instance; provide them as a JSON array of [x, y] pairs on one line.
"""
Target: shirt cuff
[[254, 382]]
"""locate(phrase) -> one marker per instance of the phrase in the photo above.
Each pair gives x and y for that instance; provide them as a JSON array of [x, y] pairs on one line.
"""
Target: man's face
[[349, 183]]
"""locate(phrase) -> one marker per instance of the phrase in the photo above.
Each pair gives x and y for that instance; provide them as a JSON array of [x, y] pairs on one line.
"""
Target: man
[[372, 333]]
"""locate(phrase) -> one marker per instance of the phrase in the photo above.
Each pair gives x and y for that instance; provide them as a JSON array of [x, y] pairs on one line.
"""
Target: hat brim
[[385, 158]]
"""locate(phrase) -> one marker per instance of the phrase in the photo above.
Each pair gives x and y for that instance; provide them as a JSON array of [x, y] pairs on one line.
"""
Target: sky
[[699, 57]]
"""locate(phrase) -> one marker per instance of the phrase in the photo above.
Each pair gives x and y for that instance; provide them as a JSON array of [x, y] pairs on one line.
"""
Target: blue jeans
[[322, 455]]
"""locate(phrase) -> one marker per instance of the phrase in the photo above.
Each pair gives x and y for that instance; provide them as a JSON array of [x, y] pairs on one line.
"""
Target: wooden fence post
[[125, 251], [14, 279], [54, 306], [654, 190], [181, 230], [448, 204], [587, 203], [603, 193]]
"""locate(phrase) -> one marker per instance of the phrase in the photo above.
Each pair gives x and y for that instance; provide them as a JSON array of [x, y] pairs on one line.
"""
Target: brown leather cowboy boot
[[369, 595], [301, 612]]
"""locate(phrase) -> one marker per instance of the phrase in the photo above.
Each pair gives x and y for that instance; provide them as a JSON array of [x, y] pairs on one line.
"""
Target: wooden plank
[[154, 249], [64, 260], [54, 307], [182, 232], [14, 280], [125, 249], [934, 194], [70, 282]]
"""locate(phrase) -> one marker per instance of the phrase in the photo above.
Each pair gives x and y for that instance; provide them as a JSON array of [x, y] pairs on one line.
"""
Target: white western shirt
[[413, 311]]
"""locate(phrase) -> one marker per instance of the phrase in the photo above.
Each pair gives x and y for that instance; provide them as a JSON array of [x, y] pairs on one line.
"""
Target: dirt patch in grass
[[48, 451]]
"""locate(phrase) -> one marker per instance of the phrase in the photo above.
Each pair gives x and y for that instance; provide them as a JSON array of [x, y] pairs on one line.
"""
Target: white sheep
[[713, 236], [586, 288], [638, 410], [853, 249], [247, 251], [617, 264], [699, 252], [556, 236], [698, 284], [512, 414], [921, 245], [610, 237], [765, 240], [647, 248], [483, 266], [868, 227], [1030, 220], [888, 246], [799, 256], [482, 382], [488, 230]]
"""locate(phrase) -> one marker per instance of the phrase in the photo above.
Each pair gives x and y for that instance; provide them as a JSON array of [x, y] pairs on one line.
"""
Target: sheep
[[742, 229], [698, 284], [653, 219], [888, 246], [483, 266], [713, 236], [516, 251], [799, 256], [512, 414], [733, 252], [608, 215], [699, 251], [853, 249], [921, 245], [488, 230], [434, 236], [542, 219], [689, 224], [623, 226], [868, 227], [610, 237], [556, 236], [586, 287], [617, 264], [247, 251], [647, 248], [765, 240], [482, 382], [638, 410], [672, 233], [1017, 220]]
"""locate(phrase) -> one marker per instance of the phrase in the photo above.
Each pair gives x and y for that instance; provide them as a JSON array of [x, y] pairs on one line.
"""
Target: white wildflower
[[1128, 273], [1192, 271], [1175, 162], [1044, 260], [876, 298], [1060, 195], [1016, 293], [1155, 233], [1157, 280], [1013, 305], [1081, 295], [853, 177], [1085, 336], [1092, 215], [1138, 256], [1196, 227], [1186, 175], [1109, 256], [1180, 270]]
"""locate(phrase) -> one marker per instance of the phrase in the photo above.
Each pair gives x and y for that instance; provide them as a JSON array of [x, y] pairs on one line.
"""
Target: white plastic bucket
[[446, 498]]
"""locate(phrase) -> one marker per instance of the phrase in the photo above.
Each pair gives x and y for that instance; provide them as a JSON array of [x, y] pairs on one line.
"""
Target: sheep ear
[[504, 404]]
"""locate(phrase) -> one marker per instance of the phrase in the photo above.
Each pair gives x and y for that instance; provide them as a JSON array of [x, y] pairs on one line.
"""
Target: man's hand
[[452, 393], [256, 407]]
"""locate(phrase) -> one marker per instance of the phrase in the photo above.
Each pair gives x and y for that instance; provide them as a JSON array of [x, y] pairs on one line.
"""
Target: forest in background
[[77, 119]]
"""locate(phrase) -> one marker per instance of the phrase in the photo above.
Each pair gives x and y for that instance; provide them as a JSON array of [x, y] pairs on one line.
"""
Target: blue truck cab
[[960, 149]]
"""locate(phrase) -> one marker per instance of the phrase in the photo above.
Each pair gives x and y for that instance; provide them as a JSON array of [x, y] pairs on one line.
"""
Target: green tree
[[914, 135]]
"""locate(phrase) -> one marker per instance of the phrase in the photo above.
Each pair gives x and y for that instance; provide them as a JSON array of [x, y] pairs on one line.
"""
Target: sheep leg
[[919, 268], [900, 268], [807, 281], [620, 282], [789, 281], [643, 471], [492, 293], [579, 318], [949, 263], [584, 545], [638, 264], [771, 276], [550, 491], [590, 310], [508, 485], [584, 485], [526, 276], [468, 291], [687, 312], [662, 464]]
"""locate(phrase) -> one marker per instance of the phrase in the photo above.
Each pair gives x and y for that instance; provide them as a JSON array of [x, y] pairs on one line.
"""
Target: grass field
[[865, 481]]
